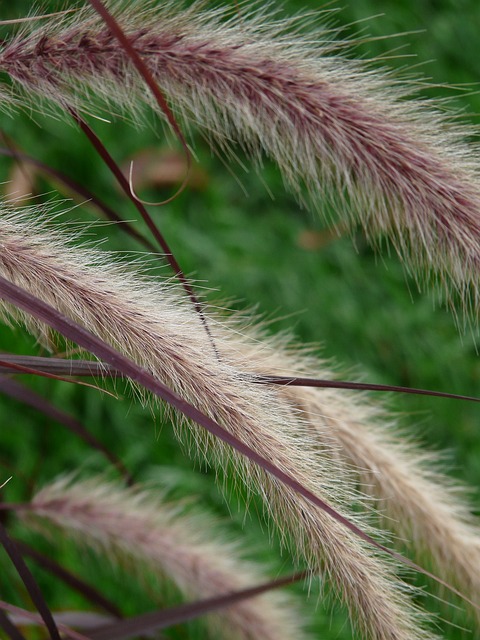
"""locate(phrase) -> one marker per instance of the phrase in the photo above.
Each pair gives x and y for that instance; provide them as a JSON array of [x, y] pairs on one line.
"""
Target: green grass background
[[244, 245]]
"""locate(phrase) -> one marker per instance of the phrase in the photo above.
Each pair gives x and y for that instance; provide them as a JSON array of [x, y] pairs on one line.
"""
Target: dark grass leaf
[[155, 620], [143, 70], [56, 366], [19, 368], [122, 181], [76, 333], [359, 386], [66, 367], [10, 629], [29, 582], [73, 581], [29, 615], [84, 620]]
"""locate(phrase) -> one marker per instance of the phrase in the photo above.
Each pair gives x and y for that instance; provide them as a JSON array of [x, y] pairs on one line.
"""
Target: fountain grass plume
[[337, 128], [146, 533], [154, 325]]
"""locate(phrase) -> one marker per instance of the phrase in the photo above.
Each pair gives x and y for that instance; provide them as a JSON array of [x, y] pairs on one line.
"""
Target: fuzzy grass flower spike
[[333, 125]]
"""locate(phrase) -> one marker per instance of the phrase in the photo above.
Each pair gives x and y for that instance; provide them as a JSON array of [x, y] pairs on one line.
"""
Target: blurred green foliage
[[248, 243]]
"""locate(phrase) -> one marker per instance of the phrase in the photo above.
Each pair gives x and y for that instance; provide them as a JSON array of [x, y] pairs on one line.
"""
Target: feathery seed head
[[337, 128], [187, 548]]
